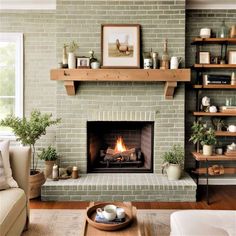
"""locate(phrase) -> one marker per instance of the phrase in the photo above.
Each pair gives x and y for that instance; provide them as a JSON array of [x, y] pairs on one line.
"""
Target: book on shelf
[[228, 109]]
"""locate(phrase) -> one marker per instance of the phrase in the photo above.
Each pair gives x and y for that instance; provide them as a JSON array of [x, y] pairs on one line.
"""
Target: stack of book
[[228, 109], [217, 79]]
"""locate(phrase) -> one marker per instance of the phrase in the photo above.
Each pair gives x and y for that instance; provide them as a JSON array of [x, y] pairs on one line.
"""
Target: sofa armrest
[[20, 158]]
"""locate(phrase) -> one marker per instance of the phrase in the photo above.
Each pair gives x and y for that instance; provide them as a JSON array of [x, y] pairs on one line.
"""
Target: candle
[[55, 172], [74, 172]]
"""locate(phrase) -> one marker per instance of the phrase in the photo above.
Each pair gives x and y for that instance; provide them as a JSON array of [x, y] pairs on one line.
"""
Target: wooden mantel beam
[[170, 77]]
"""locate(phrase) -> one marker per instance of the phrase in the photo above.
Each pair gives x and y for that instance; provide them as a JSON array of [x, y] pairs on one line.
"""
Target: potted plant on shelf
[[28, 131], [72, 47], [203, 135], [50, 156], [173, 162]]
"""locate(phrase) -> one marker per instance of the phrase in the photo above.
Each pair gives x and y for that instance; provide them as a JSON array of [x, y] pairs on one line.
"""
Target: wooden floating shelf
[[170, 77], [200, 157], [227, 170], [225, 134], [196, 113], [215, 86], [214, 41], [214, 66]]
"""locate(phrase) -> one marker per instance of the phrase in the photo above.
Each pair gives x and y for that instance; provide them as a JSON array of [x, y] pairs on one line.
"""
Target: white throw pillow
[[3, 179], [4, 148]]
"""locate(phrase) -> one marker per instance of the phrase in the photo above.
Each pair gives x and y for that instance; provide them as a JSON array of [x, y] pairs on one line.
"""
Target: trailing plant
[[202, 134], [48, 154], [28, 131], [174, 156]]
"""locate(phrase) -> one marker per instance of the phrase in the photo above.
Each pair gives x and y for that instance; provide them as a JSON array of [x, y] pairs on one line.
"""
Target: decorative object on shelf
[[205, 33], [91, 57], [55, 172], [72, 47], [216, 170], [228, 109], [216, 79], [232, 128], [28, 131], [215, 59], [205, 104], [204, 57], [49, 156], [174, 62], [60, 65], [64, 57], [83, 62], [233, 31], [154, 56], [223, 31], [219, 151], [233, 78], [75, 172], [65, 173], [232, 57], [173, 162], [203, 135], [218, 124], [231, 147], [120, 45], [95, 65], [212, 109], [165, 59], [147, 60], [228, 102]]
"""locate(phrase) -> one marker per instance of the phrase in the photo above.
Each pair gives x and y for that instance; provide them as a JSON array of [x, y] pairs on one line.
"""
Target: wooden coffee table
[[131, 230]]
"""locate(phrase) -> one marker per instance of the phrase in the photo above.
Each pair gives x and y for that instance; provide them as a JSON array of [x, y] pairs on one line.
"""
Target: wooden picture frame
[[204, 57], [232, 57], [83, 62], [120, 46]]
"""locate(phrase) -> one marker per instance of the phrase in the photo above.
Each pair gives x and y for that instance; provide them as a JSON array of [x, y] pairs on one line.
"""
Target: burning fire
[[120, 146]]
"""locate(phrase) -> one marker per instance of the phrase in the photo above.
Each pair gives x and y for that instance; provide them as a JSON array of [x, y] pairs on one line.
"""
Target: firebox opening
[[121, 147]]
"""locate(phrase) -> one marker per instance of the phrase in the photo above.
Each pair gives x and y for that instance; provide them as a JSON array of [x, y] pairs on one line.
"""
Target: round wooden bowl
[[91, 213]]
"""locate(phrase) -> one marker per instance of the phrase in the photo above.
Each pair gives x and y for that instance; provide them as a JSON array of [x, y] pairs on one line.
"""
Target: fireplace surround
[[136, 138]]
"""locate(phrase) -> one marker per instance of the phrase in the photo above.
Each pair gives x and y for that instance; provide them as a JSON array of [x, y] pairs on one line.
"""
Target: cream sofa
[[14, 204], [203, 223]]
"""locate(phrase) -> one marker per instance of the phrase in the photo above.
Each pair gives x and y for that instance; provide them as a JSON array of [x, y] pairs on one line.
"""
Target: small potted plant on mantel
[[28, 131], [173, 162], [50, 156], [205, 136]]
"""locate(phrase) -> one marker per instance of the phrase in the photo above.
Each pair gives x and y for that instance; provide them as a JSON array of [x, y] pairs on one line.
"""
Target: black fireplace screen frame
[[99, 128]]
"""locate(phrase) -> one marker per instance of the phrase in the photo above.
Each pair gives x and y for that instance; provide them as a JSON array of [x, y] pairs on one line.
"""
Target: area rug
[[61, 222]]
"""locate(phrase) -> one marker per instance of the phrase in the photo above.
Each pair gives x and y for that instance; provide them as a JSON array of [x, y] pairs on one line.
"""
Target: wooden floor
[[221, 198]]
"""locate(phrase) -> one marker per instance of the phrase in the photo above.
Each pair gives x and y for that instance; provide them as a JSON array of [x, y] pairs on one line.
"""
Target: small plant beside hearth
[[50, 156], [203, 135], [28, 131], [173, 162]]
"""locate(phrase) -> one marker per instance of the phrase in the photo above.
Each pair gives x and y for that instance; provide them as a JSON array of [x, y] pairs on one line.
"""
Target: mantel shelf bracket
[[170, 89], [70, 87]]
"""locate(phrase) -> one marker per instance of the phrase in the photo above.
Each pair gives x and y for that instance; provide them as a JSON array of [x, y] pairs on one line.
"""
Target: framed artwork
[[204, 57], [232, 57], [83, 62], [120, 46]]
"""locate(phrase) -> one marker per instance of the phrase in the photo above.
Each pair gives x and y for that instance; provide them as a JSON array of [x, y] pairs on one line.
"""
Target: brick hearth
[[120, 187]]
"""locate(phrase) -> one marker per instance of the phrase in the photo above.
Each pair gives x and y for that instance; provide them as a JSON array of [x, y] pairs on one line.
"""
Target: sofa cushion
[[203, 223], [4, 148], [3, 179], [14, 200]]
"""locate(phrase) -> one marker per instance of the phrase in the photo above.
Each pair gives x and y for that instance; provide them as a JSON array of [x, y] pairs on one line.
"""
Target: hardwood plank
[[216, 66], [197, 113], [214, 86], [200, 157], [214, 40], [225, 134]]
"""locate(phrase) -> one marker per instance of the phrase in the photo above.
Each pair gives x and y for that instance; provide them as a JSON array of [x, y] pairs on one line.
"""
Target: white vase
[[71, 60], [173, 171], [207, 150]]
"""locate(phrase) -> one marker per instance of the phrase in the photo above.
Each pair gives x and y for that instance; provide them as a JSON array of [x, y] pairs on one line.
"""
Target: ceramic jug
[[174, 62]]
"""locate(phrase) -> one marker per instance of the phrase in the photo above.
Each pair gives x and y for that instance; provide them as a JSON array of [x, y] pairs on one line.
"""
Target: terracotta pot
[[207, 150], [35, 182], [48, 169], [173, 171]]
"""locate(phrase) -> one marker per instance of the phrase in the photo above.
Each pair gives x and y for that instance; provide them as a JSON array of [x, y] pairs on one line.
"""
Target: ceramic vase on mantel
[[207, 150], [71, 60]]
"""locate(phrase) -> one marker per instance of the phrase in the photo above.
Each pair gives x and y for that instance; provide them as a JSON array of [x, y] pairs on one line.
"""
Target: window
[[11, 76]]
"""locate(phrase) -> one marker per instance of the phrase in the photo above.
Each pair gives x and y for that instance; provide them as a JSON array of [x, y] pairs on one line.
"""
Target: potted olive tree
[[28, 131], [203, 135], [173, 162], [49, 155]]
